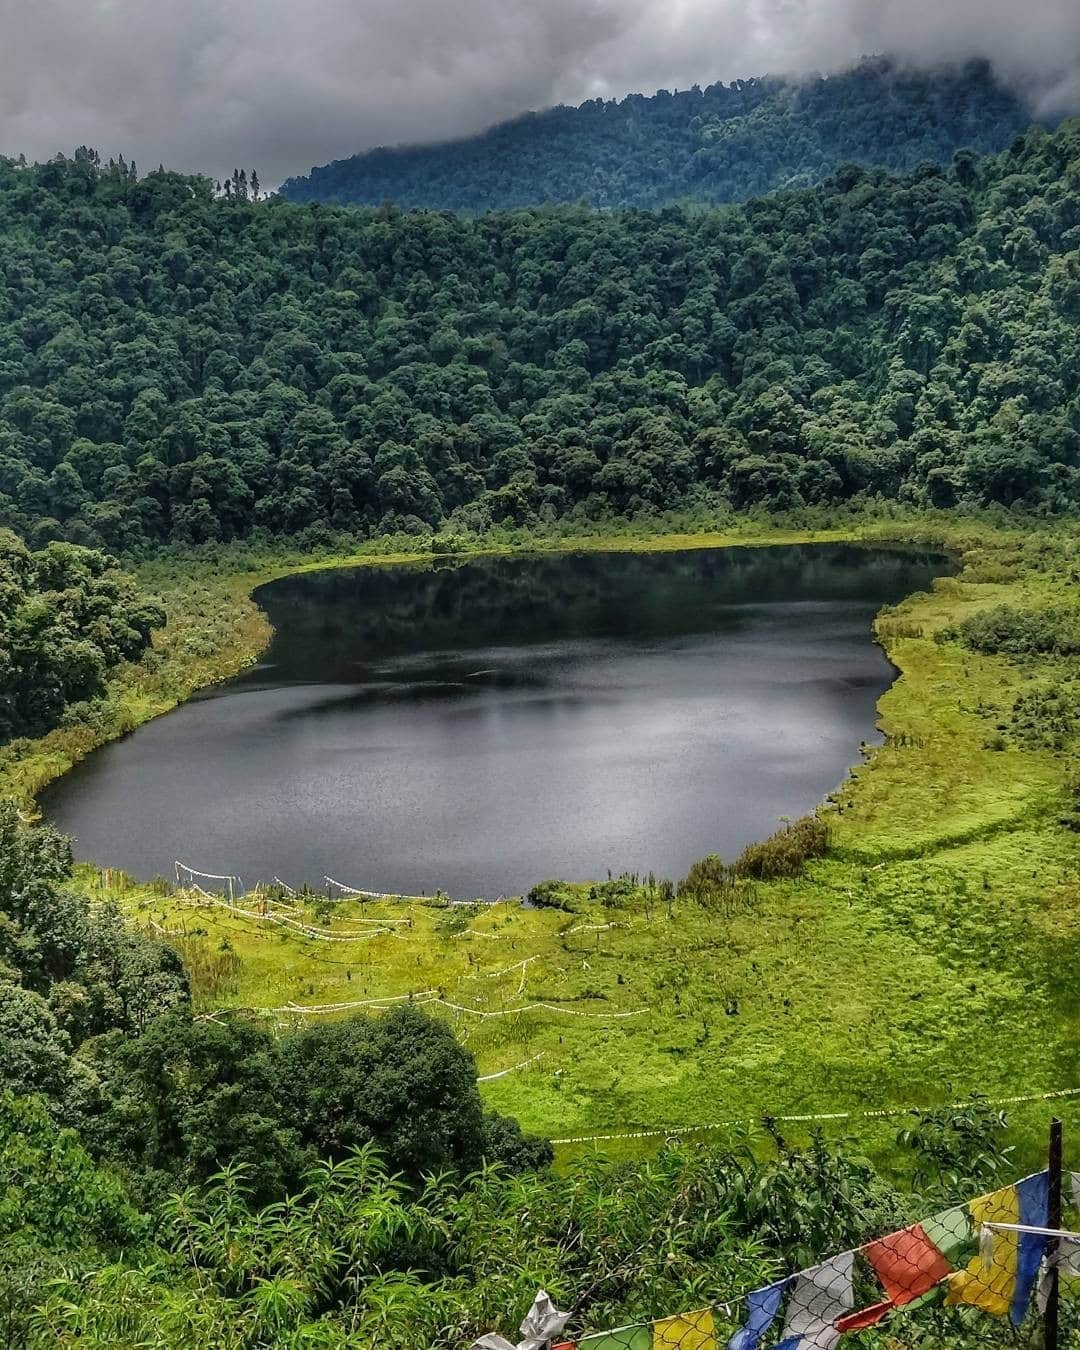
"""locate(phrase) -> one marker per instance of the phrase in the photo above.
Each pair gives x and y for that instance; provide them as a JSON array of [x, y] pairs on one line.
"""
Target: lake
[[480, 726]]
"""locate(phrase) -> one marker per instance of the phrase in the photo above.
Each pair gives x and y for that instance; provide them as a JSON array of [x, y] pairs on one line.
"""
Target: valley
[[948, 887], [647, 533]]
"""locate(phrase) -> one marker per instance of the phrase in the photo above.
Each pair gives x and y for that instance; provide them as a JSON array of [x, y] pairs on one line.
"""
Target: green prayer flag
[[952, 1234], [629, 1338]]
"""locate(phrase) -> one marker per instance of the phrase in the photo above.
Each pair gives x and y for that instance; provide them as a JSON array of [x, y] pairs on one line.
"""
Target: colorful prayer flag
[[1003, 1284], [692, 1331], [815, 1298], [819, 1297], [629, 1338], [907, 1263], [762, 1306], [951, 1233], [910, 1264]]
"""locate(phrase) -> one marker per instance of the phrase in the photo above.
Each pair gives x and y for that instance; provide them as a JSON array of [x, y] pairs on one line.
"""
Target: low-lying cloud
[[206, 85]]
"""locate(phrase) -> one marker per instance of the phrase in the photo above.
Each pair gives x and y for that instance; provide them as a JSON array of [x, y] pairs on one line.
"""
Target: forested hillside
[[179, 367], [723, 143]]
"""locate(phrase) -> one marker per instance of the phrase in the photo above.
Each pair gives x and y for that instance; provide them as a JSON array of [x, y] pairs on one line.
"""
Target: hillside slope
[[175, 367], [720, 144]]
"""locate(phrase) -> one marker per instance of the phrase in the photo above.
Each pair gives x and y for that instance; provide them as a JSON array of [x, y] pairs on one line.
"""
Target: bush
[[712, 884], [1046, 719], [784, 853], [1006, 630], [551, 895], [187, 1098]]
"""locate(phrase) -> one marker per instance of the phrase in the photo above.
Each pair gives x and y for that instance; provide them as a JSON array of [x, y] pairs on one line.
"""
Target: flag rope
[[490, 1077], [671, 1131], [729, 1303]]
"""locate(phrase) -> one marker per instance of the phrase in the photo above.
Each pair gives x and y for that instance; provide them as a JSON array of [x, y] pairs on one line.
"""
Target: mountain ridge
[[721, 143]]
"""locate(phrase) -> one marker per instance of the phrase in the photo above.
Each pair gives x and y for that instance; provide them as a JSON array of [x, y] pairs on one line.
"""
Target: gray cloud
[[283, 84]]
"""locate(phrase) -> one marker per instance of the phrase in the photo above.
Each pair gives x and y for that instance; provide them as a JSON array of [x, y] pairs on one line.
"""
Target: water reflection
[[480, 726]]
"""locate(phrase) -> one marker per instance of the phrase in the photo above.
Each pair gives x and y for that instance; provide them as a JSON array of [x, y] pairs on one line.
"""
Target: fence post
[[1053, 1219]]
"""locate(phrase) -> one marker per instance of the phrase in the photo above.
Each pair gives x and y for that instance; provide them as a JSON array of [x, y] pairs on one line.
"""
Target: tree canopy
[[175, 366], [67, 616], [723, 143]]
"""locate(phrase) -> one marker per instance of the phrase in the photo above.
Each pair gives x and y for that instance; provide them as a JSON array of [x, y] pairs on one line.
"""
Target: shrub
[[712, 884], [1006, 630], [551, 895], [784, 853], [1046, 719]]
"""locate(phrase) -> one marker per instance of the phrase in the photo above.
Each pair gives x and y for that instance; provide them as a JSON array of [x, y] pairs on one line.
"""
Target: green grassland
[[933, 953]]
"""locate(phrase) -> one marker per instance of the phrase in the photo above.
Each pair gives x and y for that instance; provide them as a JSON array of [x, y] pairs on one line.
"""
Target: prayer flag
[[952, 1234], [692, 1331], [911, 1263], [907, 1263], [815, 1299], [1003, 1284], [819, 1297], [762, 1307]]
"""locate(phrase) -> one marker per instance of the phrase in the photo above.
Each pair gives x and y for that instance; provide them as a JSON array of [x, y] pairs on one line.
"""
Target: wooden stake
[[1053, 1220]]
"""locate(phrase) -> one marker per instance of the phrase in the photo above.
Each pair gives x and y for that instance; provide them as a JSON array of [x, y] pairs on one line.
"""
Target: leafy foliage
[[56, 1204], [67, 971], [67, 616], [719, 144], [189, 1097], [180, 367], [785, 853], [357, 1258], [1021, 632], [715, 884]]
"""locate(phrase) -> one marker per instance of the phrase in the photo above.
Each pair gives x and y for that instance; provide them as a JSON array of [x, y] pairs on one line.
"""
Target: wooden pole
[[1051, 1339]]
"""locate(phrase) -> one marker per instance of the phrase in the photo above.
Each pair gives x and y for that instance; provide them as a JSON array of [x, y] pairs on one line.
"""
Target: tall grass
[[727, 887], [213, 968]]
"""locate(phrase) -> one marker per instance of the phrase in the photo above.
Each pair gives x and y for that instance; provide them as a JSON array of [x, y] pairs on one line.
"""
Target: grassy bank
[[933, 953]]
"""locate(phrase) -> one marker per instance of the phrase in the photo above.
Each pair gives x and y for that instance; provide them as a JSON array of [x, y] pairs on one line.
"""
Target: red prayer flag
[[907, 1264], [865, 1317]]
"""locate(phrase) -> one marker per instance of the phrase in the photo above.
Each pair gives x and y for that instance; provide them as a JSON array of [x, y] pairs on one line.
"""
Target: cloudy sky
[[204, 85]]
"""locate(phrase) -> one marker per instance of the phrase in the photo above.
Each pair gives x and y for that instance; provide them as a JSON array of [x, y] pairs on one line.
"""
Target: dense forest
[[174, 366], [68, 615], [723, 143]]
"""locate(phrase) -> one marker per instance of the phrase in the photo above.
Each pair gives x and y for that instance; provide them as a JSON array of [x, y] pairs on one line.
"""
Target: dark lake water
[[481, 726]]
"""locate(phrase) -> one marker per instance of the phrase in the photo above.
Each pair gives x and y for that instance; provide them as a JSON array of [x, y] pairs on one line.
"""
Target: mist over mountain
[[206, 86], [719, 144]]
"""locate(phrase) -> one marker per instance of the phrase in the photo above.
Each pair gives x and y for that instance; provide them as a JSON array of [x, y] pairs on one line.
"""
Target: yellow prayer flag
[[693, 1331], [990, 1286]]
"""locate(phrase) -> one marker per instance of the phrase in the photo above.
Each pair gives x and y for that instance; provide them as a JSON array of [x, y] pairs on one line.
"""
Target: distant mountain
[[720, 144]]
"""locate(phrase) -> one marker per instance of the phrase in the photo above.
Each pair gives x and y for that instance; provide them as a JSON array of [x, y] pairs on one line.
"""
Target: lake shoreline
[[667, 704], [216, 629], [948, 886]]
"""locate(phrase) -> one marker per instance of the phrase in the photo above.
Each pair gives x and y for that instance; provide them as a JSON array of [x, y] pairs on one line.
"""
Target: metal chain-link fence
[[982, 1272]]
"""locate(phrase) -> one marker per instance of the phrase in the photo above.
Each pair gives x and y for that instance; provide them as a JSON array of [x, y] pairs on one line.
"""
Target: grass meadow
[[934, 952]]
